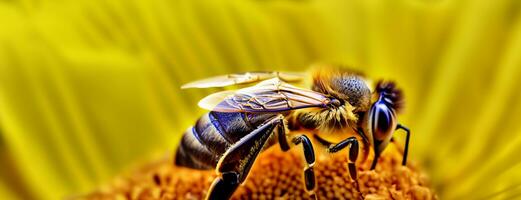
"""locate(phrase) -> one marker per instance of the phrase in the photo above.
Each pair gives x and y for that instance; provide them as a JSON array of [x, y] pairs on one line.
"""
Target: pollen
[[278, 175]]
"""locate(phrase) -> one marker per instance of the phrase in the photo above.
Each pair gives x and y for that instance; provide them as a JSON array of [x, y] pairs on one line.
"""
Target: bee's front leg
[[407, 137], [352, 142]]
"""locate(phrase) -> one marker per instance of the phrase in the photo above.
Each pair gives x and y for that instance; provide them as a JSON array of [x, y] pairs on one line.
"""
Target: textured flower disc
[[277, 175]]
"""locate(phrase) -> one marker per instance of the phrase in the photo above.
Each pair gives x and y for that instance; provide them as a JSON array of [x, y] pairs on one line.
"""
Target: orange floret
[[277, 175]]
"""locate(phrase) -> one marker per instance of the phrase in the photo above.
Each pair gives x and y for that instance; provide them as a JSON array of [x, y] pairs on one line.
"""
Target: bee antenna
[[390, 94]]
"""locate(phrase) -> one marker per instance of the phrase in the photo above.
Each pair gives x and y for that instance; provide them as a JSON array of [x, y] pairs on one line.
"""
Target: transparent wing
[[271, 95], [243, 78]]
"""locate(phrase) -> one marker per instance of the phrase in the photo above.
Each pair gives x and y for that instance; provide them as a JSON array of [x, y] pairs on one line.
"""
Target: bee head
[[382, 114]]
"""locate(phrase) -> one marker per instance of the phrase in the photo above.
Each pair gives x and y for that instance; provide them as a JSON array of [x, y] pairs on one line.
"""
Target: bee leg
[[223, 186], [373, 165], [283, 140], [322, 141], [309, 154], [235, 164], [365, 148], [407, 137], [352, 142], [353, 153]]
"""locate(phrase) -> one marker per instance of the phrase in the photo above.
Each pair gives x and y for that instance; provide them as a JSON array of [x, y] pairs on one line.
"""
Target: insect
[[242, 123]]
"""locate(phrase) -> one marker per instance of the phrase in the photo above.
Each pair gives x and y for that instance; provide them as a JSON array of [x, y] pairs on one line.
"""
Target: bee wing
[[243, 78], [271, 95]]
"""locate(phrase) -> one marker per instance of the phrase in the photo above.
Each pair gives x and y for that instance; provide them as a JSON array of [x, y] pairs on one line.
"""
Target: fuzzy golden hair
[[347, 86], [342, 83]]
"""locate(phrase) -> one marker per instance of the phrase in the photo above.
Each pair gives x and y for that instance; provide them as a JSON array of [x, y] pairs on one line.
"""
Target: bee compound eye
[[382, 120]]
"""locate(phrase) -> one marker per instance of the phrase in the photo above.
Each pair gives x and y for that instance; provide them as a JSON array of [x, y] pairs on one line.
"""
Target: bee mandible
[[242, 123]]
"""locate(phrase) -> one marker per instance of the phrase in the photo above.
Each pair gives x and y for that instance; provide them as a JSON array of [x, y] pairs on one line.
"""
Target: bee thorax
[[327, 120]]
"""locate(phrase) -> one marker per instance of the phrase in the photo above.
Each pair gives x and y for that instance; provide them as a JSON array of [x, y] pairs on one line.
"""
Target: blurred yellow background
[[89, 88]]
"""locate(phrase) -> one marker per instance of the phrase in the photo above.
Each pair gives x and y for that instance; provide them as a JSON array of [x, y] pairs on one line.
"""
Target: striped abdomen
[[204, 143]]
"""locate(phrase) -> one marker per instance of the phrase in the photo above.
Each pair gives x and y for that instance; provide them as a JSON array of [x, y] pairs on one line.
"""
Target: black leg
[[309, 154], [352, 142], [407, 137], [366, 147], [236, 162], [373, 165], [326, 144], [377, 151], [283, 140], [223, 186]]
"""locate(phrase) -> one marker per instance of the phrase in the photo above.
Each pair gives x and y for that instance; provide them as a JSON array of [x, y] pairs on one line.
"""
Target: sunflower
[[89, 88], [276, 175]]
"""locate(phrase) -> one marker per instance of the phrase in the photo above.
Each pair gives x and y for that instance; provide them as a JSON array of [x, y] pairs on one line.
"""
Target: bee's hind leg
[[235, 164], [309, 154], [224, 186]]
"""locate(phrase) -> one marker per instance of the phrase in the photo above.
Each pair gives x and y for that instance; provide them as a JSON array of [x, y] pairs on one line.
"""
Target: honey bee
[[242, 123]]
